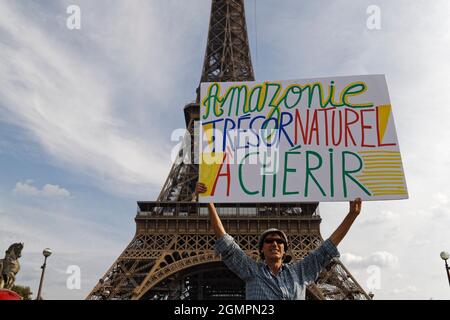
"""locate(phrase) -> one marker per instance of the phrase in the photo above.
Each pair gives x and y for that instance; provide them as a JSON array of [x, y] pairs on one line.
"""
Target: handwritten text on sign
[[327, 139]]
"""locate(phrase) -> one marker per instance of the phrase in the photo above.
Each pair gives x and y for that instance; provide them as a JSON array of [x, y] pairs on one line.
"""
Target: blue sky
[[86, 118]]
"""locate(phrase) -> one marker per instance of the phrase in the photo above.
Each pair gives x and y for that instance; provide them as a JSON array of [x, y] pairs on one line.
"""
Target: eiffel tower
[[171, 255]]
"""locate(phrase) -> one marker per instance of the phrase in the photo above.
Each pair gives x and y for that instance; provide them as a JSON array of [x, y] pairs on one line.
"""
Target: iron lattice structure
[[172, 253], [227, 56]]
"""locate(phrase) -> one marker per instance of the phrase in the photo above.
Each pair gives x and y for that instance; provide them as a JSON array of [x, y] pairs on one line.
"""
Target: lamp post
[[445, 256], [47, 252]]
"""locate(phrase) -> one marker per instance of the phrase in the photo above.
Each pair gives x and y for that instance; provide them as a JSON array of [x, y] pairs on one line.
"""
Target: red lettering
[[325, 114], [333, 129], [363, 127], [378, 134], [314, 127], [298, 121], [347, 126], [226, 174]]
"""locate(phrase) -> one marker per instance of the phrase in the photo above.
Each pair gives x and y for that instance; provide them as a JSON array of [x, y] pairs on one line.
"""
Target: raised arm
[[341, 231], [216, 223]]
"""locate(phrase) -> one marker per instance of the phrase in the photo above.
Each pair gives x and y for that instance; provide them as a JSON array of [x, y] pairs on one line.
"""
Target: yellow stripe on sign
[[380, 157], [209, 169], [380, 154], [381, 161], [379, 176], [374, 170], [370, 152], [384, 188], [386, 180], [370, 168], [389, 194], [397, 178], [383, 183], [374, 184], [383, 172], [378, 185], [379, 172], [384, 113], [208, 129], [385, 192]]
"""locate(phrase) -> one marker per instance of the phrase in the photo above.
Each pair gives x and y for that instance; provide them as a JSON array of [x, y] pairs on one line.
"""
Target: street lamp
[[445, 256], [47, 252]]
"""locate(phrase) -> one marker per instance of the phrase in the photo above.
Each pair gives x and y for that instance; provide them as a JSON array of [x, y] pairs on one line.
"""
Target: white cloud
[[49, 190], [69, 103], [439, 208], [441, 198], [384, 217], [421, 242], [351, 259], [399, 275], [382, 259], [26, 189]]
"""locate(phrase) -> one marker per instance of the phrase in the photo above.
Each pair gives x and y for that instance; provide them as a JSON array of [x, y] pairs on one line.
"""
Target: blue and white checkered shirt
[[261, 284]]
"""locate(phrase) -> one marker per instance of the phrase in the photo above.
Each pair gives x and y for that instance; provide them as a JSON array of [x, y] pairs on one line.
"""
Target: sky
[[87, 116]]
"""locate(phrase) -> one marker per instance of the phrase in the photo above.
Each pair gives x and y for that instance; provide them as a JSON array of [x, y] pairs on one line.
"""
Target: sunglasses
[[270, 241]]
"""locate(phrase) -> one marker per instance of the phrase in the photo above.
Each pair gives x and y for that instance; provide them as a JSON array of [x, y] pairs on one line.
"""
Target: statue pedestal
[[9, 295]]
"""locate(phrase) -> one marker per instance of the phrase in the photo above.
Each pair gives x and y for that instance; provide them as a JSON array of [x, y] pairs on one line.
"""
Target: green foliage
[[24, 292]]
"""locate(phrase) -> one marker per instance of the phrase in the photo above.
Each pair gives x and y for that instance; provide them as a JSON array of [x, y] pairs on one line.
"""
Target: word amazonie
[[272, 95]]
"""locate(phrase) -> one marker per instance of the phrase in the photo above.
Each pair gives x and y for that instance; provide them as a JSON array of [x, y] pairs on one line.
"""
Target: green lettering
[[286, 170], [354, 89], [212, 101], [241, 182], [331, 173], [309, 170], [347, 173]]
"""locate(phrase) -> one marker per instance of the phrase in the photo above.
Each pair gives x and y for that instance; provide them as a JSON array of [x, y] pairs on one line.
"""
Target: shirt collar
[[283, 266]]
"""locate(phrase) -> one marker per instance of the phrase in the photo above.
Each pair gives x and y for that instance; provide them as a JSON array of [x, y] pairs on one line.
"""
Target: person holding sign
[[272, 279]]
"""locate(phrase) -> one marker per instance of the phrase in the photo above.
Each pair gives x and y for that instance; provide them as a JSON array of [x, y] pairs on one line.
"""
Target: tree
[[24, 292]]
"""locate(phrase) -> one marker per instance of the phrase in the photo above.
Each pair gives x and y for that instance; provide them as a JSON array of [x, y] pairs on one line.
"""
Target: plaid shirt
[[261, 284]]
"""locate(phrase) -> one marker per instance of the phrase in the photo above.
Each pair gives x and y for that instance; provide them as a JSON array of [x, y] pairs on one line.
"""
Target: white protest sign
[[325, 139]]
